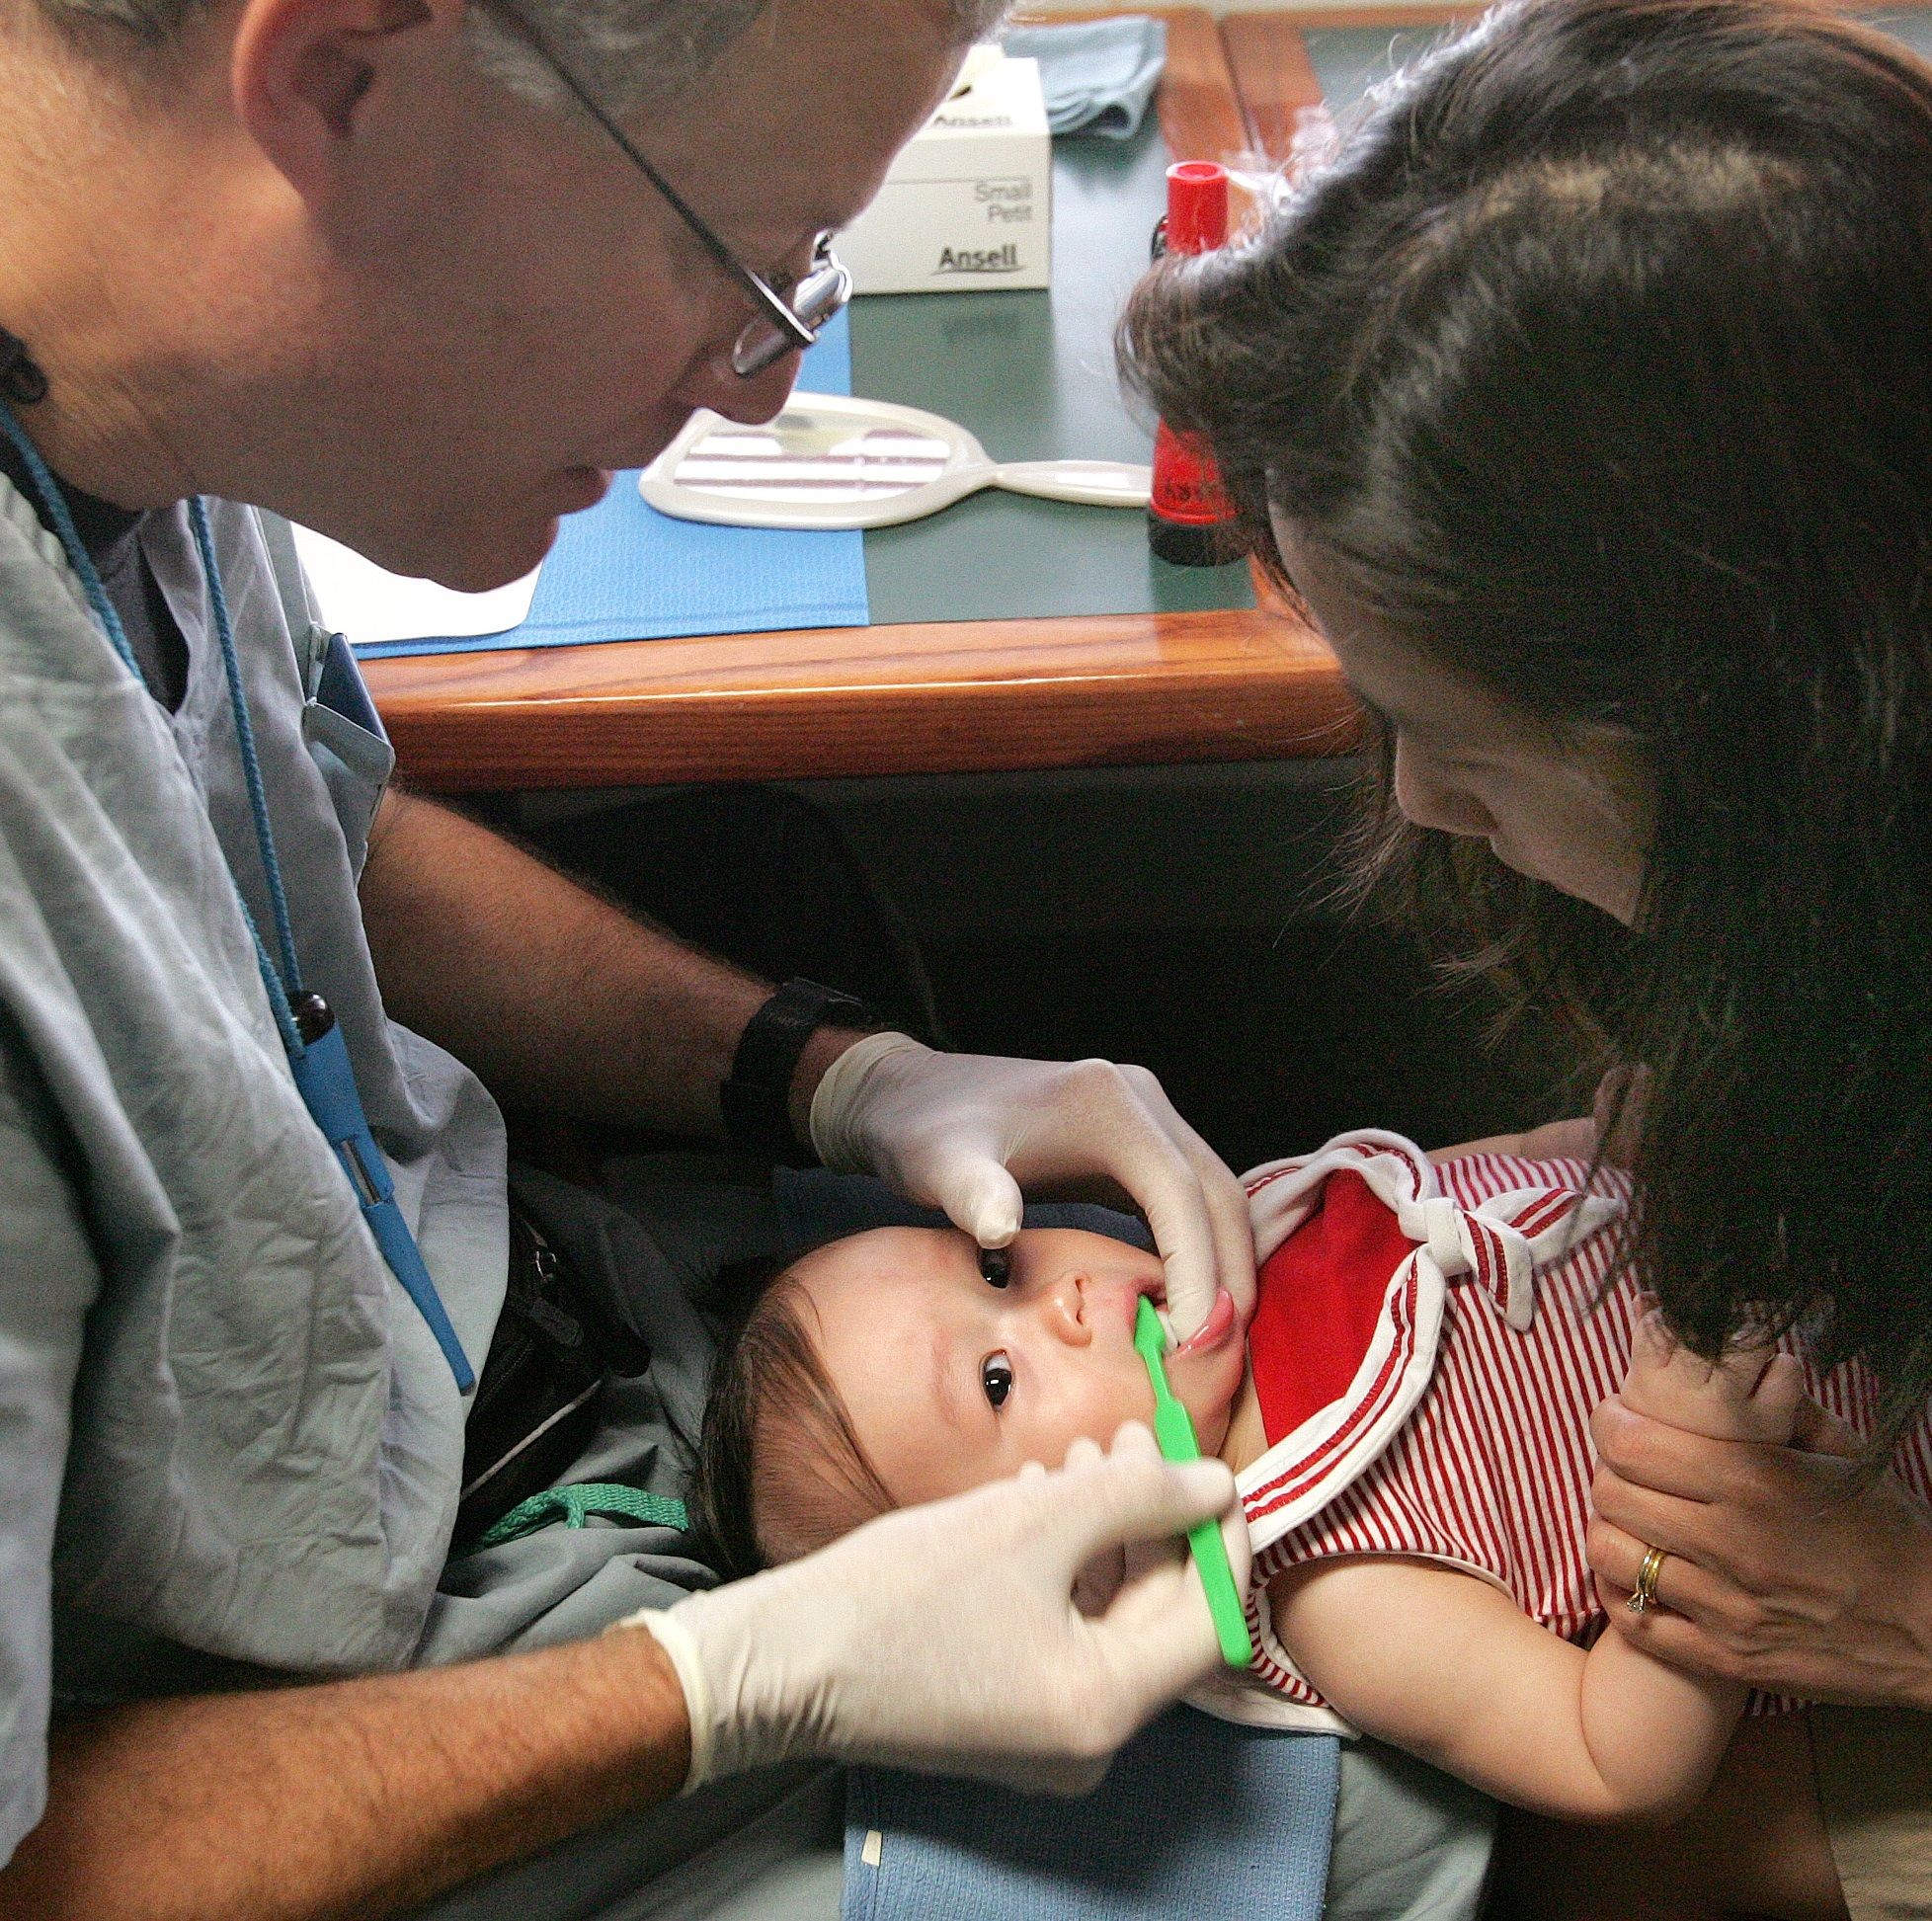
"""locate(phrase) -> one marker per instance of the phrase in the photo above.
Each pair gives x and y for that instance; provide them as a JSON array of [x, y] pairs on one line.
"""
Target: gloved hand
[[963, 1132], [946, 1638]]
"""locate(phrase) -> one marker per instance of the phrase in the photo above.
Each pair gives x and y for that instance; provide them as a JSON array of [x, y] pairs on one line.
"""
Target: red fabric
[[1320, 1296], [1493, 1471]]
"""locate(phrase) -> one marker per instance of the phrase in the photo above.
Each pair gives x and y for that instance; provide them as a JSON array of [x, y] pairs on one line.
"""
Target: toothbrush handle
[[1209, 1553], [1173, 1431], [1174, 1434]]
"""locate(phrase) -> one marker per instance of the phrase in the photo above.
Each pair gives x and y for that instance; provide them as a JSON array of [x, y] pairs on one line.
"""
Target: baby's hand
[[1751, 1395]]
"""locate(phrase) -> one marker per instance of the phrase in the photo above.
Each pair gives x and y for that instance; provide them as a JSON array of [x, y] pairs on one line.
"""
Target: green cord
[[574, 1506]]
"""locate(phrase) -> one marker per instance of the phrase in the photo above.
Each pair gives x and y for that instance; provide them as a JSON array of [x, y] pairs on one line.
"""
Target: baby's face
[[951, 1380]]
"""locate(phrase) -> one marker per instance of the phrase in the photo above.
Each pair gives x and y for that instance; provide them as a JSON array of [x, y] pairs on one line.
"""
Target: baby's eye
[[996, 1265], [996, 1377]]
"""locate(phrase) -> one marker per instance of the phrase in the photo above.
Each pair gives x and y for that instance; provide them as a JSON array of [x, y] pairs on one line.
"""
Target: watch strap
[[756, 1098]]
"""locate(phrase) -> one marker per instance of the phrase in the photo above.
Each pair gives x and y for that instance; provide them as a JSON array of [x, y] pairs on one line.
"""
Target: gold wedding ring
[[1644, 1596]]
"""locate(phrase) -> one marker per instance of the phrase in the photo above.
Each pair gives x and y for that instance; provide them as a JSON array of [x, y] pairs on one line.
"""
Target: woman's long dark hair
[[1599, 364]]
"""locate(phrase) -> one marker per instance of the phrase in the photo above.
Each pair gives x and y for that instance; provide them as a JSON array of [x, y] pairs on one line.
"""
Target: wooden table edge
[[1088, 691]]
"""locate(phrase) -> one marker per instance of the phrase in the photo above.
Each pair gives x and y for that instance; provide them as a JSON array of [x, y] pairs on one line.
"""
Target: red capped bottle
[[1189, 508]]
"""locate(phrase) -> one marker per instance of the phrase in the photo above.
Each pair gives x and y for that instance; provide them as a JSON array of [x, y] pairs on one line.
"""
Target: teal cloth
[[1197, 1817], [1098, 76], [574, 1506]]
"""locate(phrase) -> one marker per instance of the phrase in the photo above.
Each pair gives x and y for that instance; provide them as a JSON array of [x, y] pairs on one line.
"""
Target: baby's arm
[[1447, 1666], [1612, 1124], [1553, 1141]]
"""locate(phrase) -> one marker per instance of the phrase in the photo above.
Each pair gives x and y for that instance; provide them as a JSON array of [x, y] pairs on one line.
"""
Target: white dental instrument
[[830, 461]]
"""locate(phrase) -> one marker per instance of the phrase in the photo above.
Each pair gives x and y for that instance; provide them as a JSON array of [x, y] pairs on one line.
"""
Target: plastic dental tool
[[1173, 1431], [831, 462]]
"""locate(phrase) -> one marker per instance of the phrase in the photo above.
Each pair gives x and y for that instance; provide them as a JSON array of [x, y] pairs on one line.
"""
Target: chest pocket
[[345, 738]]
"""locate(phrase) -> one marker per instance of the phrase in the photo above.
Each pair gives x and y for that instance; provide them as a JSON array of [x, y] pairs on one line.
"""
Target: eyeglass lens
[[814, 301]]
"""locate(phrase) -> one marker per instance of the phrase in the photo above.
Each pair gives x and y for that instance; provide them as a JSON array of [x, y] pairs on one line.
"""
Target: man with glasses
[[424, 277]]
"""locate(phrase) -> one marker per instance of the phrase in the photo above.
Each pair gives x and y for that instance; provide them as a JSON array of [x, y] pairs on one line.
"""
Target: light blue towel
[[623, 570], [1197, 1818], [1098, 76]]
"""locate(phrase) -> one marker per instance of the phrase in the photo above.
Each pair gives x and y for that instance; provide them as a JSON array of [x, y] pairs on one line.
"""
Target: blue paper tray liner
[[1197, 1820], [623, 570]]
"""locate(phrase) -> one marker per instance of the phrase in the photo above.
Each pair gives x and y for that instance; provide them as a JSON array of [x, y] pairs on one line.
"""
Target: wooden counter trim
[[967, 696], [1199, 108], [1425, 15], [1273, 75], [1272, 72]]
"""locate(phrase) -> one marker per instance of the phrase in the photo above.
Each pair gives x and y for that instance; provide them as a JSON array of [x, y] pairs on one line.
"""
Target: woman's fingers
[[1669, 1521], [1617, 1113], [1778, 1401], [1681, 1585], [1749, 1393], [1666, 1460], [1820, 1431], [1680, 1641]]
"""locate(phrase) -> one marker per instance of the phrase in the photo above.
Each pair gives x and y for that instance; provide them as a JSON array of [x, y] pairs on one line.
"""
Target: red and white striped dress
[[1427, 1349]]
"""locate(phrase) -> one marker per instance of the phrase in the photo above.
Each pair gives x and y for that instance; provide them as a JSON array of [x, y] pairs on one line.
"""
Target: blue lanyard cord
[[94, 588], [257, 798], [56, 503], [323, 1073]]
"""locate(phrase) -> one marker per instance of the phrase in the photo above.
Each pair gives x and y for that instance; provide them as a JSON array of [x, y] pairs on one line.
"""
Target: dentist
[[421, 274]]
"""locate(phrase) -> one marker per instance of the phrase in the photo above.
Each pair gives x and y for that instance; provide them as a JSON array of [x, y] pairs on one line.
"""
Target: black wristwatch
[[757, 1100]]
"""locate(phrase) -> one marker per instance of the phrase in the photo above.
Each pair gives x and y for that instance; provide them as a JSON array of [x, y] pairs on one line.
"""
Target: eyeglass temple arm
[[773, 307]]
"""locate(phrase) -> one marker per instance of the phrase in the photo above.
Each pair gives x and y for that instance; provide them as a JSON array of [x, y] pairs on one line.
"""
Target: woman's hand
[[1781, 1573]]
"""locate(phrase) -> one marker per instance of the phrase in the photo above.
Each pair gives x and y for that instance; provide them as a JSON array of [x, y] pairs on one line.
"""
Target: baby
[[1408, 1421]]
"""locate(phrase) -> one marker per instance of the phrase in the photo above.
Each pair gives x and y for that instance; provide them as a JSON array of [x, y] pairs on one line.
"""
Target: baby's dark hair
[[780, 1470]]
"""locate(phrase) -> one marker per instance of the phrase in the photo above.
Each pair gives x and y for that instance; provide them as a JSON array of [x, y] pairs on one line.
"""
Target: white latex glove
[[946, 1638], [964, 1132]]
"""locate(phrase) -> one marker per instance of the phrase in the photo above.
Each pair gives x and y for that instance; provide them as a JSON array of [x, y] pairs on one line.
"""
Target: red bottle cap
[[1197, 206]]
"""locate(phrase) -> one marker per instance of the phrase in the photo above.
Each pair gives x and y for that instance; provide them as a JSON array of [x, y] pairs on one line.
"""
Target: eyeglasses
[[781, 325]]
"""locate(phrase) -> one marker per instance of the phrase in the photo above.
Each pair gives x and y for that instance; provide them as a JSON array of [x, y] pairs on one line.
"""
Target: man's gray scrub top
[[221, 1421]]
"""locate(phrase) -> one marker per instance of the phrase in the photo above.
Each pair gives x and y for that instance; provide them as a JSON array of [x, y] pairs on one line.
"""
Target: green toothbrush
[[1173, 1430]]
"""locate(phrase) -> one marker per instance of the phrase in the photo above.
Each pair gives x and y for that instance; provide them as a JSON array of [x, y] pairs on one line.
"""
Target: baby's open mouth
[[1155, 1288]]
